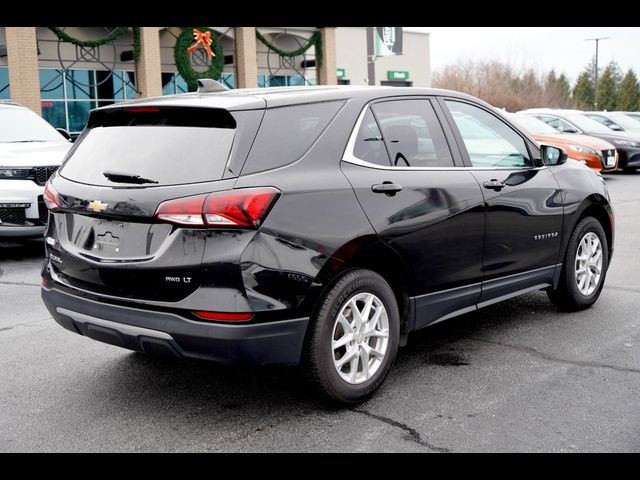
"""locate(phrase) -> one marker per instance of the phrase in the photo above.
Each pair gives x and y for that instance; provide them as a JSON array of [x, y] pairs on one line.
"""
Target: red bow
[[205, 39]]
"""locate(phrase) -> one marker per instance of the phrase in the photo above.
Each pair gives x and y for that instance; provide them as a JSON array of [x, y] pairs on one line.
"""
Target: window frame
[[532, 148], [349, 156]]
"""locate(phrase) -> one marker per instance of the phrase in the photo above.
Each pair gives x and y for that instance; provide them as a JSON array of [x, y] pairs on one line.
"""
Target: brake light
[[51, 198], [143, 110], [246, 207], [224, 316]]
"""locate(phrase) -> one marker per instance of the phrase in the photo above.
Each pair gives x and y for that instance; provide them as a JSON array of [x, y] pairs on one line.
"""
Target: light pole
[[595, 77]]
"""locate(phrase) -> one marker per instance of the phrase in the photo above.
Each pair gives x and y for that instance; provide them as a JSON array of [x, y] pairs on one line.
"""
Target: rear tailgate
[[105, 237]]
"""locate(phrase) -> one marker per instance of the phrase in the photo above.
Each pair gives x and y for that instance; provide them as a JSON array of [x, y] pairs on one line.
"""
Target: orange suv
[[596, 153]]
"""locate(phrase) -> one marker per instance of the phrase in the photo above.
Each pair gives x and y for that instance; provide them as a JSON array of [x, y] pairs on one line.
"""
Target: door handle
[[494, 184], [388, 188]]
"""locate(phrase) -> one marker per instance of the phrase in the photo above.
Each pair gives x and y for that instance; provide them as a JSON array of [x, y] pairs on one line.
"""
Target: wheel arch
[[370, 253], [598, 207]]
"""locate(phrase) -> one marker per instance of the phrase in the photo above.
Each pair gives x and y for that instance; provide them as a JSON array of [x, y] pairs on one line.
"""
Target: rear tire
[[354, 337], [584, 267]]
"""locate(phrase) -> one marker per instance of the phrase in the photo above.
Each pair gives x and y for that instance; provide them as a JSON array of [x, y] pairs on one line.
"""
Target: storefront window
[[80, 84], [67, 97], [295, 80], [283, 80], [4, 84], [277, 81], [51, 83], [78, 113], [54, 113], [228, 79]]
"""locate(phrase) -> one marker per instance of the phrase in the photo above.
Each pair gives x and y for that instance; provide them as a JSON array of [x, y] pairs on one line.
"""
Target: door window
[[489, 141], [412, 134]]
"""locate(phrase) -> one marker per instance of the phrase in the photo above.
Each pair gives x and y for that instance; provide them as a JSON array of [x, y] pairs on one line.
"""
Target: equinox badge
[[97, 206]]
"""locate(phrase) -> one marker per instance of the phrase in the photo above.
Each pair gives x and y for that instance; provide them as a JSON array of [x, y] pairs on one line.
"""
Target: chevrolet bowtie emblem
[[97, 206]]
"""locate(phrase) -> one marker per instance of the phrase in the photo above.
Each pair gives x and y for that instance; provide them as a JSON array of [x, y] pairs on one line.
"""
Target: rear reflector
[[224, 316], [244, 207]]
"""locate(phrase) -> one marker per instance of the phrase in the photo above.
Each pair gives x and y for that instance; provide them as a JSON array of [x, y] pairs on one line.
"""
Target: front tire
[[584, 267], [354, 337]]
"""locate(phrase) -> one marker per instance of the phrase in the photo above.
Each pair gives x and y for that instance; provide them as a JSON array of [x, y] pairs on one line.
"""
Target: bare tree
[[505, 86]]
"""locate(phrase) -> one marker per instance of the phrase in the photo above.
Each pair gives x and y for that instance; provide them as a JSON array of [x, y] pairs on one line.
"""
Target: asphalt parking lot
[[517, 376]]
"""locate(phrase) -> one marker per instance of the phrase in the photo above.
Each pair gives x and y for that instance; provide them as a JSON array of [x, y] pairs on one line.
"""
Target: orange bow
[[205, 39]]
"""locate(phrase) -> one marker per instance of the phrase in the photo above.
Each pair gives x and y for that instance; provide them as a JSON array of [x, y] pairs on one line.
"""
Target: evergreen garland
[[118, 32]]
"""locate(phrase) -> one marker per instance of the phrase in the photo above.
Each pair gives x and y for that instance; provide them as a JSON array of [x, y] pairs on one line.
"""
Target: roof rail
[[206, 85]]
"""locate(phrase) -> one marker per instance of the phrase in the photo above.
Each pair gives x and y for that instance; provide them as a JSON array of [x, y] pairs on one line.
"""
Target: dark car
[[313, 225], [627, 143]]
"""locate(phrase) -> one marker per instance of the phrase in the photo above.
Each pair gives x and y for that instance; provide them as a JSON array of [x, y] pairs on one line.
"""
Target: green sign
[[341, 73], [388, 41], [397, 75]]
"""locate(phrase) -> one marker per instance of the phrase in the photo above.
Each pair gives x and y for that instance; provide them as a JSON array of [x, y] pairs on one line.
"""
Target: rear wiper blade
[[123, 177]]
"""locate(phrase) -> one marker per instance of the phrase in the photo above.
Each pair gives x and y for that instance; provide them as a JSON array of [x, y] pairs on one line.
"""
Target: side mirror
[[569, 130], [64, 133], [615, 127], [552, 155]]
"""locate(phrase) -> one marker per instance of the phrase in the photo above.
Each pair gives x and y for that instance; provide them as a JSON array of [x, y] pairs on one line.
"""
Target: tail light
[[246, 207], [51, 198]]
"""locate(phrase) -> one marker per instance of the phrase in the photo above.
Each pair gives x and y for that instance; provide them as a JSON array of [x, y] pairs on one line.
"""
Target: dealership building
[[64, 72]]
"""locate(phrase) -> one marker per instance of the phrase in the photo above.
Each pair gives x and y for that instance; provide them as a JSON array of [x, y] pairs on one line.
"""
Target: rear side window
[[369, 144], [287, 133], [170, 147], [412, 134]]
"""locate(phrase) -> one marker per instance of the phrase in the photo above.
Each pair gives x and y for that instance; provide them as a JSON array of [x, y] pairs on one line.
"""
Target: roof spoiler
[[207, 85]]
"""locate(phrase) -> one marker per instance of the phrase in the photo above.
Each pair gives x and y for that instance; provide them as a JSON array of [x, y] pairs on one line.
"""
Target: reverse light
[[183, 211], [51, 198], [224, 316], [245, 207]]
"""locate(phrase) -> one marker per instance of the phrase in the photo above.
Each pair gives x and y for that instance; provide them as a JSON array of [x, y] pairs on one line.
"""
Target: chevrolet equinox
[[314, 225]]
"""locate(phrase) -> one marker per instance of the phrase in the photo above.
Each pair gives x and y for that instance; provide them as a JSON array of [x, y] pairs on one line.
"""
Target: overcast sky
[[561, 48]]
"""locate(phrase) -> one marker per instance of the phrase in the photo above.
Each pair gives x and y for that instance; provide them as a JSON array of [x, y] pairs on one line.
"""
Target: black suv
[[315, 225]]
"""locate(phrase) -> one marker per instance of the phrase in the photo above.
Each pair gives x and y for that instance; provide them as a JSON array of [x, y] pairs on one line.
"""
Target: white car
[[31, 150]]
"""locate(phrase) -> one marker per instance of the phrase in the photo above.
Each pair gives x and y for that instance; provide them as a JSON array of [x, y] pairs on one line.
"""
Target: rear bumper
[[270, 343]]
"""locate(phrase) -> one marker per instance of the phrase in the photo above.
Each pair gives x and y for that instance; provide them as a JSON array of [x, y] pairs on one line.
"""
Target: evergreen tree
[[629, 97], [564, 87], [557, 92], [608, 87], [583, 96]]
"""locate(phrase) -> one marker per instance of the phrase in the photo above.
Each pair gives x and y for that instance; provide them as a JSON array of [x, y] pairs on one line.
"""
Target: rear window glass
[[169, 148], [286, 133]]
